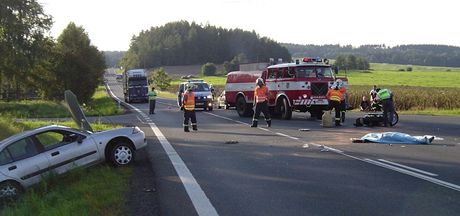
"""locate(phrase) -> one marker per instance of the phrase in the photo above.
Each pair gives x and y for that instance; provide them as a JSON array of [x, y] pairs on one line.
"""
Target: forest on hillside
[[429, 55], [184, 43]]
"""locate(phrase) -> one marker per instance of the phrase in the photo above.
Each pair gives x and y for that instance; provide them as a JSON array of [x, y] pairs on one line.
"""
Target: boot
[[337, 123], [186, 129], [254, 124], [194, 127], [269, 123]]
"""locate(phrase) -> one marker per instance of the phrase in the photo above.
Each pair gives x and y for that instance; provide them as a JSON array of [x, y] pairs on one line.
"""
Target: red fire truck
[[299, 86]]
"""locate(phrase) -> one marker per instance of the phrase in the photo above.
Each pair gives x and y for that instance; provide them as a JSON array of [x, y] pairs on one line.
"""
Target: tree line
[[184, 43], [429, 55], [34, 64]]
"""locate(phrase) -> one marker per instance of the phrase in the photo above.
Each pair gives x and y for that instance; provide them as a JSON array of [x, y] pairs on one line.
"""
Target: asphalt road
[[284, 171]]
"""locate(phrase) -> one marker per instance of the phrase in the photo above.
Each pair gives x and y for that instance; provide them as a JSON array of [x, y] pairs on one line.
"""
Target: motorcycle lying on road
[[375, 117]]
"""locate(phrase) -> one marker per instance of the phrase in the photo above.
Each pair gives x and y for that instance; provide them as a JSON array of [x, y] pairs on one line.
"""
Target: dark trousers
[[336, 105], [151, 106], [388, 111], [261, 107], [189, 114], [343, 109]]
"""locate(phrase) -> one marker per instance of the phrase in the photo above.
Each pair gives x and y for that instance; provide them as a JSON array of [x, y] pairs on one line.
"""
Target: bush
[[409, 69], [208, 69], [160, 79], [401, 69]]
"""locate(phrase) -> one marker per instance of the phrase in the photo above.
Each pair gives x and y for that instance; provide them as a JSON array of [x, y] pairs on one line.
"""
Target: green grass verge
[[101, 105], [97, 190]]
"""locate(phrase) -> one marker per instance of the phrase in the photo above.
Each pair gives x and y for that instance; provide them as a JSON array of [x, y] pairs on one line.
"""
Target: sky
[[111, 24]]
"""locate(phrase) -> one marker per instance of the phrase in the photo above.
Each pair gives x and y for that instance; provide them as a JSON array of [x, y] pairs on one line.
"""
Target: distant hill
[[428, 55], [184, 43]]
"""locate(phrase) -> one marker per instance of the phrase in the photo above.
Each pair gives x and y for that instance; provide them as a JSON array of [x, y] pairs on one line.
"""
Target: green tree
[[208, 69], [22, 39], [160, 79], [79, 65]]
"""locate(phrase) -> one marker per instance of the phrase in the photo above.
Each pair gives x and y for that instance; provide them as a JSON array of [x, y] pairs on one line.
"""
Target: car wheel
[[210, 108], [121, 154], [10, 190]]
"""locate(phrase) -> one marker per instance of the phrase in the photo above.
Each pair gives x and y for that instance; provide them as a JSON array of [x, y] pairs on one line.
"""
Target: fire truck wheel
[[285, 109], [243, 109]]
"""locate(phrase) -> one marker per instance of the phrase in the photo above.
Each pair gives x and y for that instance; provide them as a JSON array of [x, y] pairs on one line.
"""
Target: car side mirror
[[80, 139], [336, 69]]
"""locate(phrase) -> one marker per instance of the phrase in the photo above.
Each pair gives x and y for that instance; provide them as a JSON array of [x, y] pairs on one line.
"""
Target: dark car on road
[[203, 95]]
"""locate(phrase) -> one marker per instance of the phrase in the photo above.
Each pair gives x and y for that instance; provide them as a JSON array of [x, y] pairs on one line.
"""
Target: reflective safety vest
[[343, 90], [260, 93], [334, 95], [189, 100], [152, 95], [384, 94]]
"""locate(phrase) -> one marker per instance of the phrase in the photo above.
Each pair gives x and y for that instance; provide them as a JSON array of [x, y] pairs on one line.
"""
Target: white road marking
[[285, 135], [414, 174], [199, 199], [408, 167], [438, 138]]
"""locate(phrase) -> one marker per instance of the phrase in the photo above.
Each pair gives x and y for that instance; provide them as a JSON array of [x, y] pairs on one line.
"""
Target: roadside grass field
[[101, 105], [97, 190]]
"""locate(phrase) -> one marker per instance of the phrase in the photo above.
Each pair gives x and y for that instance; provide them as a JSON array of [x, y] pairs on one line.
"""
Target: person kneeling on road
[[261, 103], [188, 102], [334, 95]]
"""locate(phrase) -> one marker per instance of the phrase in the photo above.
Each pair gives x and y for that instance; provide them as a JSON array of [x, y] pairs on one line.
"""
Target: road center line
[[199, 199], [414, 174], [408, 167]]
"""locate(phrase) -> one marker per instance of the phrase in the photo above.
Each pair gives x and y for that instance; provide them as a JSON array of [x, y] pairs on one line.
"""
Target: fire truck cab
[[299, 86]]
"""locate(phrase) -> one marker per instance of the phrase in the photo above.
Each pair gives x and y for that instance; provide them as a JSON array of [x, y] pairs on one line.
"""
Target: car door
[[66, 150], [23, 161]]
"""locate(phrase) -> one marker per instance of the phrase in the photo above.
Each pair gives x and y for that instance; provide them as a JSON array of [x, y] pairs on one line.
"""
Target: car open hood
[[75, 110]]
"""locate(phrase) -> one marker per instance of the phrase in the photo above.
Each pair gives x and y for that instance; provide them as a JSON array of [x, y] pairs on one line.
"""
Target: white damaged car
[[27, 157]]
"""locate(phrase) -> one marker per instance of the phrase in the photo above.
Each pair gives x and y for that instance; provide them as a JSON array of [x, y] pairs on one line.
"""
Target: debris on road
[[149, 190], [231, 142], [305, 146], [304, 129]]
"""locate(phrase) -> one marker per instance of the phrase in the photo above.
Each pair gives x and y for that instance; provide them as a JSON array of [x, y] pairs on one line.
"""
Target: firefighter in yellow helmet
[[261, 103], [334, 95], [188, 103]]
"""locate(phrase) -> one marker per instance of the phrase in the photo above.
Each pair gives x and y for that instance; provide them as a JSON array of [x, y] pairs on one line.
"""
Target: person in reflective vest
[[152, 99], [385, 96], [188, 103], [261, 103], [334, 95], [343, 99]]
